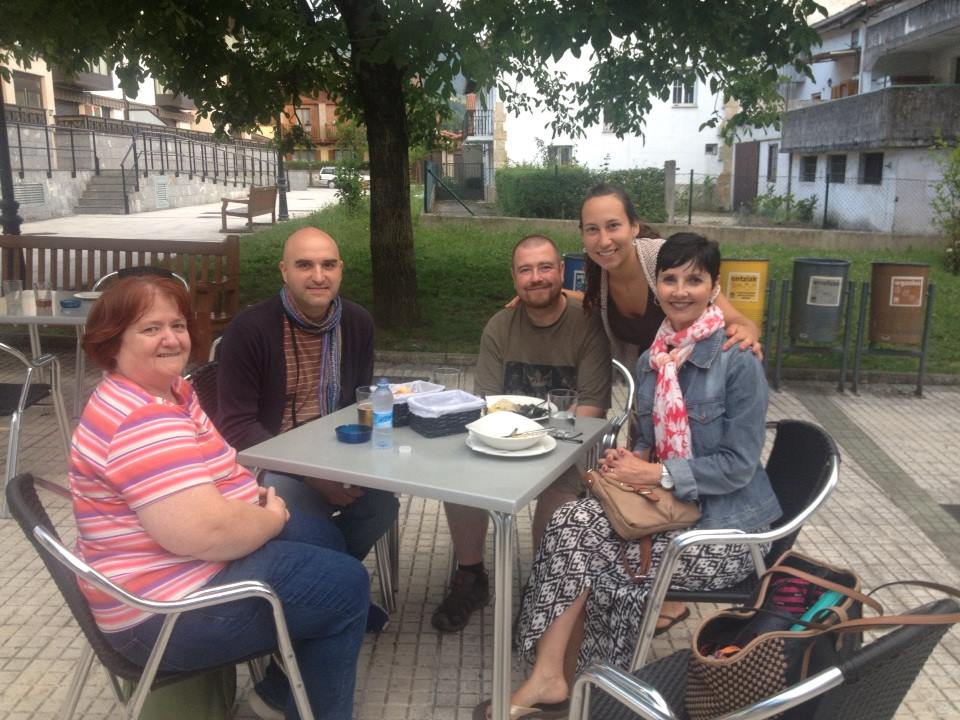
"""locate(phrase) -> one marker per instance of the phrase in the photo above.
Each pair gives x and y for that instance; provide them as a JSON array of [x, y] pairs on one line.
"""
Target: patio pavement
[[900, 460], [193, 222]]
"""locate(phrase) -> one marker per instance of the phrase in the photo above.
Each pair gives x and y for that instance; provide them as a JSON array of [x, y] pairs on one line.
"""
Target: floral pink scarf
[[671, 427]]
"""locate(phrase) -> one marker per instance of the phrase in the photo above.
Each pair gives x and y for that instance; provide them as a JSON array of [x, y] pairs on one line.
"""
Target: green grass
[[464, 277]]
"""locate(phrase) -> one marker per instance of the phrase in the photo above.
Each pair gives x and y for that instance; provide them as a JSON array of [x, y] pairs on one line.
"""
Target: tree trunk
[[395, 300], [380, 87]]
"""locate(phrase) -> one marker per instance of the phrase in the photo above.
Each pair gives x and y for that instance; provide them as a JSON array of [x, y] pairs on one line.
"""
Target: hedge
[[557, 192]]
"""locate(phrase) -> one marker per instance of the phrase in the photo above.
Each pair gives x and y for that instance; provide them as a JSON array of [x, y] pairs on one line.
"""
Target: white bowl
[[493, 428]]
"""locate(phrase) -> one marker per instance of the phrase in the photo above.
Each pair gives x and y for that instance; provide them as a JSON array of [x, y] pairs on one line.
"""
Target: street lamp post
[[8, 208], [281, 179]]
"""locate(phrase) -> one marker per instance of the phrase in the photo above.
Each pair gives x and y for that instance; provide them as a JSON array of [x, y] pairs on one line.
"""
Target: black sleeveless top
[[636, 330]]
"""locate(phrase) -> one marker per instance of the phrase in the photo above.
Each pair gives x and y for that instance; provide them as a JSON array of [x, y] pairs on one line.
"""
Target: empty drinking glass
[[13, 295], [563, 408], [449, 377]]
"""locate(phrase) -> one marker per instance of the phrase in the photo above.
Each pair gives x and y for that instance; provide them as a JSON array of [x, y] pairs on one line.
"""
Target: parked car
[[328, 176]]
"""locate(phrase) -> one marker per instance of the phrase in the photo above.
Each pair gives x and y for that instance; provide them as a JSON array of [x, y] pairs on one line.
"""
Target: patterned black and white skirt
[[580, 551]]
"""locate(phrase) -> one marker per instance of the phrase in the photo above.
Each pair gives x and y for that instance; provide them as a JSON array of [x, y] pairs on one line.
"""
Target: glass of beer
[[43, 292], [365, 405]]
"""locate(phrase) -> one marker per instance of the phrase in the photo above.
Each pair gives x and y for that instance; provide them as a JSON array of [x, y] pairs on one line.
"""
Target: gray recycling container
[[816, 301]]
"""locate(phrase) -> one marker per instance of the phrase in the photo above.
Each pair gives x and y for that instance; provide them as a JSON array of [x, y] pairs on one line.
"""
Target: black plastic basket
[[451, 424], [401, 415]]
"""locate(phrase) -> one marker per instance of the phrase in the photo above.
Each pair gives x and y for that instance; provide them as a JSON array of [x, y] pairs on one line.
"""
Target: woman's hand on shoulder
[[744, 335]]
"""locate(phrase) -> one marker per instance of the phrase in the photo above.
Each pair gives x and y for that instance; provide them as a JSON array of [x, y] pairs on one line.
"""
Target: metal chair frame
[[33, 369], [667, 567], [144, 270], [205, 597]]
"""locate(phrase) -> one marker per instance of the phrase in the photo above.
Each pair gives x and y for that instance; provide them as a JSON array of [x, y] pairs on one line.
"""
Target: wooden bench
[[260, 201], [212, 269]]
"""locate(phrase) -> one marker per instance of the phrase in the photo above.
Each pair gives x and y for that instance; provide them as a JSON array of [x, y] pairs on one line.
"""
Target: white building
[[857, 136], [672, 132]]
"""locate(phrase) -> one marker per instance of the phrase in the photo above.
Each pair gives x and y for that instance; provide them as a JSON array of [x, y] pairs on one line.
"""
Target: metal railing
[[89, 143], [111, 126], [16, 113], [477, 122], [37, 146]]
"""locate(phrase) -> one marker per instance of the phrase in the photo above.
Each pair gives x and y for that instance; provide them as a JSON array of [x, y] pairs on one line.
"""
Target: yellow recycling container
[[744, 282]]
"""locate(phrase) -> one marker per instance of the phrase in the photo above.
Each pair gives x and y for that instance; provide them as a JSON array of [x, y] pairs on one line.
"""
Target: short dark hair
[[530, 241], [122, 304], [686, 247]]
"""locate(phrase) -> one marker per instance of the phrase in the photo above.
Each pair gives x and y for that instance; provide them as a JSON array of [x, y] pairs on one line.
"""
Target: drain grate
[[954, 510]]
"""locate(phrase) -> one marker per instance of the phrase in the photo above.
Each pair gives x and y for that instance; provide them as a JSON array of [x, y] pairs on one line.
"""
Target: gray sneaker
[[468, 592]]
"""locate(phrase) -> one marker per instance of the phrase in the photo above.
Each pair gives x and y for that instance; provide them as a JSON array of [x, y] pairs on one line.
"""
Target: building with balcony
[[317, 117], [857, 136]]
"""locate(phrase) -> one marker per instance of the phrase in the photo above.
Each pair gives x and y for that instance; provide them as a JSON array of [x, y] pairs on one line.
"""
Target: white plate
[[544, 446], [87, 295], [521, 400]]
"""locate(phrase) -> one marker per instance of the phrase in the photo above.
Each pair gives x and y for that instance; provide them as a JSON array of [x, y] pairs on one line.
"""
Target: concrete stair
[[103, 194]]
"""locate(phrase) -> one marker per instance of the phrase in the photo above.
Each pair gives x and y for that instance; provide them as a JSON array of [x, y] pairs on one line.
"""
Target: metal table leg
[[79, 367], [503, 605]]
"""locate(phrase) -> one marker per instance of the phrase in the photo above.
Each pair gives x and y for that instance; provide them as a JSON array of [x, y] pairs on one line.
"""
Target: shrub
[[349, 186], [557, 192], [784, 208], [533, 191], [946, 201]]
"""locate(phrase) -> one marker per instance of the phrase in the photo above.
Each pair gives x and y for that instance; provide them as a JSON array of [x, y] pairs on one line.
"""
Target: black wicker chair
[[870, 685], [803, 467], [204, 381], [65, 567]]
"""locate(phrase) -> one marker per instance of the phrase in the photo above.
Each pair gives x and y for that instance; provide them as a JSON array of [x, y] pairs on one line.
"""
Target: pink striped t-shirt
[[131, 449]]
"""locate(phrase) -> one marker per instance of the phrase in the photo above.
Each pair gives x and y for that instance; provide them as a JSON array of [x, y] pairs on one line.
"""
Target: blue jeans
[[325, 595], [358, 525]]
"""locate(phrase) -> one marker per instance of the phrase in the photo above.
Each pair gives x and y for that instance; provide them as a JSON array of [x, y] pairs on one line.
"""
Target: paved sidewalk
[[900, 460], [193, 222]]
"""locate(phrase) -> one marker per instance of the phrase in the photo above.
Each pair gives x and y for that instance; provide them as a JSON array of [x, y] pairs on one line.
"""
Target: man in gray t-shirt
[[544, 342]]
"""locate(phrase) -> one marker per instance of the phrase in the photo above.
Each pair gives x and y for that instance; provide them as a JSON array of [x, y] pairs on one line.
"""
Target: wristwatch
[[666, 482]]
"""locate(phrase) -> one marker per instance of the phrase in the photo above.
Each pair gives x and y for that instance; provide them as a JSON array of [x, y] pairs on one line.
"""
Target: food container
[[494, 428], [403, 392], [353, 434], [443, 413]]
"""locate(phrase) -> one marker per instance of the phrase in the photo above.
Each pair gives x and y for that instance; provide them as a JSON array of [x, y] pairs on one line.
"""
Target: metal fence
[[465, 180], [829, 198], [77, 147]]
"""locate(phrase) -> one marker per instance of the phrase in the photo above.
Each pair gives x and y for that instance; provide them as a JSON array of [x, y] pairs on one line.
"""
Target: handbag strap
[[828, 585], [892, 620]]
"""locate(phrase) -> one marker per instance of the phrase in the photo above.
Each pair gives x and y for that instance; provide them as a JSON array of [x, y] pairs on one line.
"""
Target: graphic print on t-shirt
[[520, 378]]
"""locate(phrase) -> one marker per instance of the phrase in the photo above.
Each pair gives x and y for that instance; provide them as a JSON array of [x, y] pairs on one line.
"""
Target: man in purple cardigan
[[295, 357]]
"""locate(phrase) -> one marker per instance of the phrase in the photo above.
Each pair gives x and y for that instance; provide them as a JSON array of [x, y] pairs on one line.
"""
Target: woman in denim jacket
[[702, 411]]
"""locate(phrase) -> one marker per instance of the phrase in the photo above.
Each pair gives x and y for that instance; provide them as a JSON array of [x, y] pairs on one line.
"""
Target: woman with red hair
[[163, 510]]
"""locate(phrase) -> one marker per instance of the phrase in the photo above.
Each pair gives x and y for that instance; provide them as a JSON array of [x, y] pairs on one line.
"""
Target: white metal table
[[29, 315], [441, 469]]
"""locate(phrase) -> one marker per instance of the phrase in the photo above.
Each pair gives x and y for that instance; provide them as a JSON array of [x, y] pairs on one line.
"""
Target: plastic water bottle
[[382, 415]]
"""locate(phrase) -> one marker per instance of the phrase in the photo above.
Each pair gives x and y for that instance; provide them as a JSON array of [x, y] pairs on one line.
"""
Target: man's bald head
[[312, 270]]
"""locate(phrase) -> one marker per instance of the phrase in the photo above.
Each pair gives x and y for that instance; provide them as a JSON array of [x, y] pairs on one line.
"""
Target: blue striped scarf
[[329, 330]]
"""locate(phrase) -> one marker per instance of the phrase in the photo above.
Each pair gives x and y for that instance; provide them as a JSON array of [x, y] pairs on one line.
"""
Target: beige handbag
[[637, 514]]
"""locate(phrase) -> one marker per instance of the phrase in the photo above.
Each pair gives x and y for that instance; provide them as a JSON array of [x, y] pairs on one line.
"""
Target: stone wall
[[60, 193], [181, 192]]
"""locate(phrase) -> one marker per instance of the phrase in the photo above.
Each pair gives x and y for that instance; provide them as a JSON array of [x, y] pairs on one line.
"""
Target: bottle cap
[[404, 449]]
